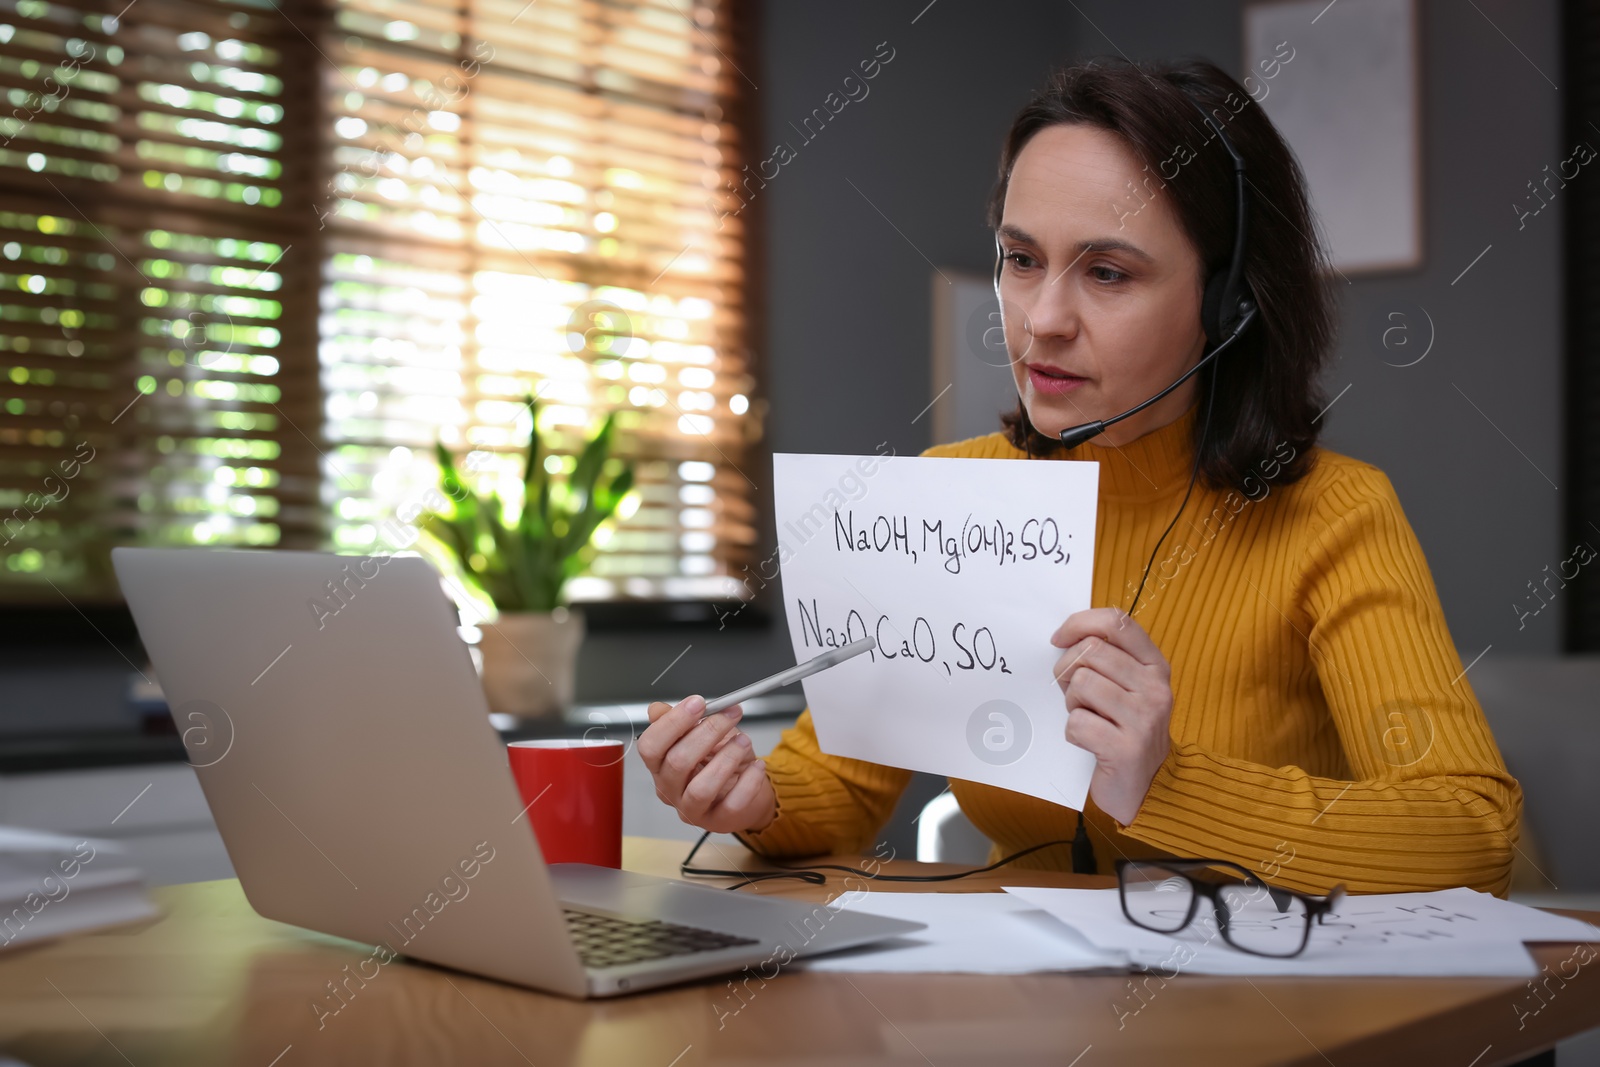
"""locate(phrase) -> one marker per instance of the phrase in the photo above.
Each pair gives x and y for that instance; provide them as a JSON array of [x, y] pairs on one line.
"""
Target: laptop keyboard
[[606, 941]]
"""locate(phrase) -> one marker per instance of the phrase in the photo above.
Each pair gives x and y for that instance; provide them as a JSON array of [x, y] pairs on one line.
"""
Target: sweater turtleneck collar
[[1148, 467]]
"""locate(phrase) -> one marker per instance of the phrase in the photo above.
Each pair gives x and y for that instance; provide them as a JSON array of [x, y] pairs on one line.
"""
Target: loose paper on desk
[[961, 569], [1447, 932], [964, 933]]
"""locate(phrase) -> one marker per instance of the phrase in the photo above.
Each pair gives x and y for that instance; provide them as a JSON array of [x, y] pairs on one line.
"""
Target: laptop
[[339, 730]]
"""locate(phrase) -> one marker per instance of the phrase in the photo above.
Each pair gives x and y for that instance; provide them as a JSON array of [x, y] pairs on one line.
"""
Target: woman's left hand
[[1119, 704]]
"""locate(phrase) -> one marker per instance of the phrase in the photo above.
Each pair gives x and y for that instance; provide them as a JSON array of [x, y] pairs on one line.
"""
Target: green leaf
[[600, 506], [543, 503], [466, 503], [510, 559], [464, 524], [534, 477], [619, 488], [590, 461], [448, 534]]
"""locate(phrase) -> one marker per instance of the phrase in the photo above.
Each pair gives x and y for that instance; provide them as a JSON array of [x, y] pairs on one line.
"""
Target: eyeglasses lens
[[1272, 924], [1156, 898]]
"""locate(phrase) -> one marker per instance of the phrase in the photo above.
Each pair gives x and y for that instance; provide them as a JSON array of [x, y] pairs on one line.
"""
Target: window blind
[[532, 189], [307, 242], [148, 331]]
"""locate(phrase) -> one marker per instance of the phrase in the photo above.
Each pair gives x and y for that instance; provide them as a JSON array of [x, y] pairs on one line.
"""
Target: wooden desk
[[213, 983]]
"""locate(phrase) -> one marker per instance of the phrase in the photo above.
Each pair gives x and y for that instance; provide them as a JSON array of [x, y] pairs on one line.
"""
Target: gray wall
[[847, 280]]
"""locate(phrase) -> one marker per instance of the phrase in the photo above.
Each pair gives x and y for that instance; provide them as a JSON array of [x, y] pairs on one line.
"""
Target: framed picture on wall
[[1340, 82]]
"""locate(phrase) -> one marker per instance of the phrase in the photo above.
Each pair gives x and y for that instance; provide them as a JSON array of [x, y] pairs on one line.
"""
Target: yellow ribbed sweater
[[1323, 729]]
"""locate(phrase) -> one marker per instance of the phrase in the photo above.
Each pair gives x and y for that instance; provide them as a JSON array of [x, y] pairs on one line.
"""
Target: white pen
[[831, 658]]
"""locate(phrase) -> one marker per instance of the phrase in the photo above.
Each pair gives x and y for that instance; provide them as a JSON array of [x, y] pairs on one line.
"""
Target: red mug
[[572, 789]]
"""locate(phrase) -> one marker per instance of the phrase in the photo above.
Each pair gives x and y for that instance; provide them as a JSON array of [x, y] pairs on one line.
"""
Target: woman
[[1286, 694]]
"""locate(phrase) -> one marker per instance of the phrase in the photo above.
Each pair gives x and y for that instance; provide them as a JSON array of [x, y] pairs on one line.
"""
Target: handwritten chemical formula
[[970, 648], [1033, 540]]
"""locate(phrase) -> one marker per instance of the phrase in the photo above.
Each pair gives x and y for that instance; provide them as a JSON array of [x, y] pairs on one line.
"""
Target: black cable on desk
[[815, 876]]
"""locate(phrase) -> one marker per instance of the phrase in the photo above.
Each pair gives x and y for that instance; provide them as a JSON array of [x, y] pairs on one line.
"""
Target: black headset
[[1228, 302]]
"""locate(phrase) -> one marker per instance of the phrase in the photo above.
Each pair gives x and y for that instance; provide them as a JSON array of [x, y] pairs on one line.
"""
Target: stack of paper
[[52, 885], [1450, 932]]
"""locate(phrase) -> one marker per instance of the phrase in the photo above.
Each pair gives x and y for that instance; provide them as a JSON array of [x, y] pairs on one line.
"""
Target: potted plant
[[521, 560]]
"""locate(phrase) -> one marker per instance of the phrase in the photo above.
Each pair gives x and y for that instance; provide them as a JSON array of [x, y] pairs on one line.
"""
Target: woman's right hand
[[706, 768]]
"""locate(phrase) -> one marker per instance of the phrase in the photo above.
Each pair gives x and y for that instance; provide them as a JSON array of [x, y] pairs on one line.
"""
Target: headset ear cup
[[1211, 306]]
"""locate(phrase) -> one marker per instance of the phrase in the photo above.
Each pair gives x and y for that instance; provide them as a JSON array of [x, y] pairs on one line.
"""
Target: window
[[255, 260]]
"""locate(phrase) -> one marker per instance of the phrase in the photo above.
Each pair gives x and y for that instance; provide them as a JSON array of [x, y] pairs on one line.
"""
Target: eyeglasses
[[1252, 916]]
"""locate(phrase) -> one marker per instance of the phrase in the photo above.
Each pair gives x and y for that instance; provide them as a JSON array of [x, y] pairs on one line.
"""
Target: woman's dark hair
[[1266, 383]]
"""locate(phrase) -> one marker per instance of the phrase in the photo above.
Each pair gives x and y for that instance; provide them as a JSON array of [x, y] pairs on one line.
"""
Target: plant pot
[[530, 661]]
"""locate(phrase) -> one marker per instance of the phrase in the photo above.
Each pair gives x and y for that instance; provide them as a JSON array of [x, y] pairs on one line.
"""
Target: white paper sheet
[[961, 569], [1473, 916], [1452, 932], [967, 933]]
